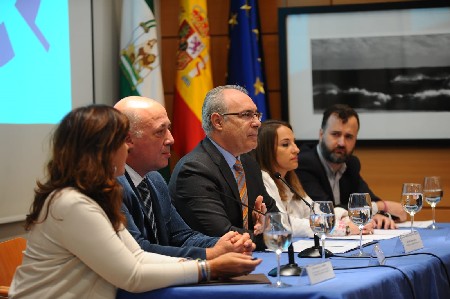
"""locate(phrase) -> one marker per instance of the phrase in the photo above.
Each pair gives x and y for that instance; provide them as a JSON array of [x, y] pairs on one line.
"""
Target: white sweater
[[75, 253]]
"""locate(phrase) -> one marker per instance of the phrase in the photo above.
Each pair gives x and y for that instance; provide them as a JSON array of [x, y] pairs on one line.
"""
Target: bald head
[[134, 102], [149, 139], [139, 110]]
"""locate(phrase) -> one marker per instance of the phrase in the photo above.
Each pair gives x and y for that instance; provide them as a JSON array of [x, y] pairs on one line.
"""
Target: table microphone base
[[314, 252], [286, 270]]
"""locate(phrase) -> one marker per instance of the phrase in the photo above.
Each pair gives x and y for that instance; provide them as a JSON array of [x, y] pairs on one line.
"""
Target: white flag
[[140, 62]]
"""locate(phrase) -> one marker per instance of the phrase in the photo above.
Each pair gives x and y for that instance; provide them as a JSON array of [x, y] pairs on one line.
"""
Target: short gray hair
[[214, 103]]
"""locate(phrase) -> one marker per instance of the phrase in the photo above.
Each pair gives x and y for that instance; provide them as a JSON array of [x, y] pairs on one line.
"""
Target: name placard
[[381, 258], [411, 241], [320, 272]]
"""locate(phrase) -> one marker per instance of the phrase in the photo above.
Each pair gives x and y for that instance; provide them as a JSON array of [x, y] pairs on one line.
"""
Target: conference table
[[423, 273]]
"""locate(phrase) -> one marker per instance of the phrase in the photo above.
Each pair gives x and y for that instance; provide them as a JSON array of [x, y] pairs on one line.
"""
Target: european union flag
[[245, 64]]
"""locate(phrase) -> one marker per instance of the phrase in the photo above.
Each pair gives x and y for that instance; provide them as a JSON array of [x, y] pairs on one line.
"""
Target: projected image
[[34, 61]]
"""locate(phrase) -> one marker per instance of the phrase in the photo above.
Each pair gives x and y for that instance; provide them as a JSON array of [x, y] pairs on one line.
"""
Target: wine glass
[[277, 237], [412, 199], [360, 212], [433, 193], [322, 220]]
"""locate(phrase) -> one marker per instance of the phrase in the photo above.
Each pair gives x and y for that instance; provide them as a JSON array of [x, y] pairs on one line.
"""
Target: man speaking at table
[[330, 171], [151, 217], [217, 186]]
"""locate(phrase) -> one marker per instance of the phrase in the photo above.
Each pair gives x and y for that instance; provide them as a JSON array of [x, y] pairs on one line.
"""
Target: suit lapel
[[225, 170], [231, 187]]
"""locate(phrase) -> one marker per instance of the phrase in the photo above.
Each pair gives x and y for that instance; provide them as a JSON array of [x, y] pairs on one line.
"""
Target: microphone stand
[[290, 269], [316, 250]]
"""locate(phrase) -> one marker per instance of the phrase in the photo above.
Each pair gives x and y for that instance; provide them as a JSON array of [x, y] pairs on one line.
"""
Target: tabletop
[[423, 273]]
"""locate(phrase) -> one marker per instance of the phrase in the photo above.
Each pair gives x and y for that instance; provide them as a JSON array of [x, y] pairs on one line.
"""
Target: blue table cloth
[[419, 274]]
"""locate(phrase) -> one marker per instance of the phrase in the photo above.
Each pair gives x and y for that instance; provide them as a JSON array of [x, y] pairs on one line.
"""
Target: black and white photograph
[[393, 68], [391, 73]]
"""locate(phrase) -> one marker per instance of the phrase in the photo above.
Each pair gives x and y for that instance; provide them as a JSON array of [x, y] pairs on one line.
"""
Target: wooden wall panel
[[274, 104], [170, 46], [271, 61], [218, 14], [293, 3], [268, 15], [340, 2], [385, 169], [219, 58], [169, 18]]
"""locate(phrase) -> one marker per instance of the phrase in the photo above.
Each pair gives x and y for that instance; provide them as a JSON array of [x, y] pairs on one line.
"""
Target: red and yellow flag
[[193, 78]]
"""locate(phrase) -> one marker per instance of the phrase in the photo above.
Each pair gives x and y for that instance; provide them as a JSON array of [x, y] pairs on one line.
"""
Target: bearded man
[[331, 172]]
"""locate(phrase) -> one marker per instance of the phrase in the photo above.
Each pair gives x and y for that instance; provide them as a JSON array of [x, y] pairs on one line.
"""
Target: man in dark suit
[[151, 217], [206, 187], [330, 171]]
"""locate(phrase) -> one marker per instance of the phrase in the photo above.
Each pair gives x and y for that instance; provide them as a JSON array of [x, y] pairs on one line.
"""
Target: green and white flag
[[140, 62]]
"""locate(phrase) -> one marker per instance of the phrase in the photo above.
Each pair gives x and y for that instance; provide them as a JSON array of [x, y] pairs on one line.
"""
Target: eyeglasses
[[246, 115]]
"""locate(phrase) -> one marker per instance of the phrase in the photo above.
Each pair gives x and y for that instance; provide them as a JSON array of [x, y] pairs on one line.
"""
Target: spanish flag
[[193, 77]]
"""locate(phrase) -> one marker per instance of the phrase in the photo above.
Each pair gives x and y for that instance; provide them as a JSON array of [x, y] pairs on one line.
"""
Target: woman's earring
[[115, 169]]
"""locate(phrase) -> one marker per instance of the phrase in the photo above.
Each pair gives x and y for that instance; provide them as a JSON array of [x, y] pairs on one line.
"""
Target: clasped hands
[[231, 242]]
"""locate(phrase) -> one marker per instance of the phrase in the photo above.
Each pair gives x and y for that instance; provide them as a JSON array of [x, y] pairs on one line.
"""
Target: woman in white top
[[77, 245], [277, 152]]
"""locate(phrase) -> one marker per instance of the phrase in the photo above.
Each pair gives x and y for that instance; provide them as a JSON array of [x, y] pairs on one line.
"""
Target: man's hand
[[258, 219], [231, 242], [383, 222], [396, 209], [243, 244], [232, 264]]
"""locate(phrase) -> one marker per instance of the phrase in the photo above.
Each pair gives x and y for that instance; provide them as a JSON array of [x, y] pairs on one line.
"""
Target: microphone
[[278, 176], [212, 189], [316, 250]]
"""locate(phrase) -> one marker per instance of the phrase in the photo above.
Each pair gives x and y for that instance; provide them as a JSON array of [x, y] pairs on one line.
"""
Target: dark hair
[[343, 111], [83, 146], [265, 153]]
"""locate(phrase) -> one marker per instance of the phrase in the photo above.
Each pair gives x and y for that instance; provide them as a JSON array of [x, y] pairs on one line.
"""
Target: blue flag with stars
[[245, 61]]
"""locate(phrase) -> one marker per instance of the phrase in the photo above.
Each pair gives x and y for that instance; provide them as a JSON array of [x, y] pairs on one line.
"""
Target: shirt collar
[[231, 160], [135, 177]]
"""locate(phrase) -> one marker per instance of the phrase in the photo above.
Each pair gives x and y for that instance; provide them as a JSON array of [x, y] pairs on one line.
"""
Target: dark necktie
[[242, 186], [144, 191]]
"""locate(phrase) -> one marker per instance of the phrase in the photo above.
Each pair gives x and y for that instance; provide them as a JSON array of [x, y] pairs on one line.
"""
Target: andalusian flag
[[245, 61], [140, 62], [193, 78]]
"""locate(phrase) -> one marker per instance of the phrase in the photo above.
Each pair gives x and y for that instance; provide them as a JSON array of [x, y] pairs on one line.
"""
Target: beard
[[330, 156]]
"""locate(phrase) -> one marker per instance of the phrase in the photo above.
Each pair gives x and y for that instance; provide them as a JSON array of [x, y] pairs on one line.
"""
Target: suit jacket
[[176, 238], [205, 193], [314, 178]]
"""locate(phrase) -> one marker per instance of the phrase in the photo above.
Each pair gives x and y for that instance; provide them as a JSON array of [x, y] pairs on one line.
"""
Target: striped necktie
[[144, 191], [242, 186]]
